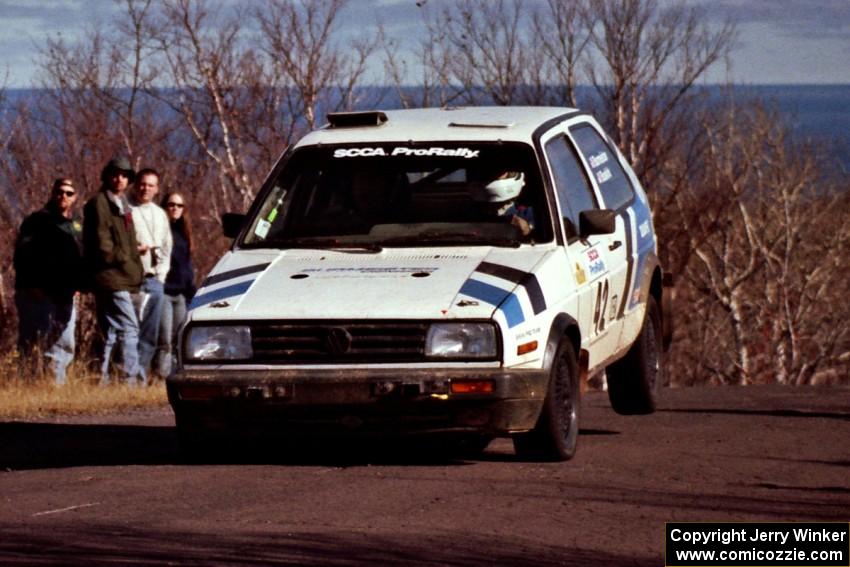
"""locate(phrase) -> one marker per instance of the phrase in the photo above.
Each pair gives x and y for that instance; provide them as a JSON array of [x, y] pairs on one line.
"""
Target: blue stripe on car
[[644, 246], [505, 301], [232, 274], [221, 293], [525, 279]]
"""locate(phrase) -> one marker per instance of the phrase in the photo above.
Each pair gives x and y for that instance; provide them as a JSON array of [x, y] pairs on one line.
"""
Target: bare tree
[[96, 90], [137, 77], [561, 37], [207, 69], [486, 49], [473, 52], [424, 79], [760, 254], [244, 99], [314, 72], [803, 285], [8, 124], [644, 65]]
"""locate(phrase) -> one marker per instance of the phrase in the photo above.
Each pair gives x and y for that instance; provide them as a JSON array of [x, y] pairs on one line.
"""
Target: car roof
[[473, 123]]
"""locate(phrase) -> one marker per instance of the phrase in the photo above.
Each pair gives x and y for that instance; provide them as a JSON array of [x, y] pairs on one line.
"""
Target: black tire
[[555, 436], [634, 382]]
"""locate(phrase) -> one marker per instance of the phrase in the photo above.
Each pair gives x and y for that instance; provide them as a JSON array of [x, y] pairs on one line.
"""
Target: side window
[[571, 182], [612, 180]]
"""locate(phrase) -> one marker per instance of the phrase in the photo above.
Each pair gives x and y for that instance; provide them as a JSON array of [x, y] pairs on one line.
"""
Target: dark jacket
[[181, 274], [109, 243], [48, 254]]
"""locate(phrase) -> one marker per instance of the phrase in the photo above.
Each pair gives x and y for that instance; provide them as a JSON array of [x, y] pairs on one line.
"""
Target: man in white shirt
[[153, 235]]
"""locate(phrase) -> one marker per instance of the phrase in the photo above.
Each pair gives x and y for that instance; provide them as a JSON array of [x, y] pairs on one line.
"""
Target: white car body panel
[[591, 289]]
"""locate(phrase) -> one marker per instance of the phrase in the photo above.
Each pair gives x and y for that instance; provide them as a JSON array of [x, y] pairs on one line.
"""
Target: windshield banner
[[404, 151]]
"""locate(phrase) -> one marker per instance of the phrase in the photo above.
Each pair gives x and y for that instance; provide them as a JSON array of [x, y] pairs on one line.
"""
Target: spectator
[[180, 283], [48, 274], [112, 256], [154, 238]]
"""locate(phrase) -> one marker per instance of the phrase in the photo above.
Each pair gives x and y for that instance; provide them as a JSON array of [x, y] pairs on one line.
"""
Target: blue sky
[[780, 41]]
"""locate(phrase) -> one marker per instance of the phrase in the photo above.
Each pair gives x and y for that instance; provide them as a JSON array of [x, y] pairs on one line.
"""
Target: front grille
[[334, 343]]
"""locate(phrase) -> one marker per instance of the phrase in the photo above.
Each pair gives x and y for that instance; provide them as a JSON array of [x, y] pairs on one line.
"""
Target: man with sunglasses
[[48, 274]]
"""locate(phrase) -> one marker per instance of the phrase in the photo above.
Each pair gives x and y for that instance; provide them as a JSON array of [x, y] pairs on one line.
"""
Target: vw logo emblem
[[338, 341]]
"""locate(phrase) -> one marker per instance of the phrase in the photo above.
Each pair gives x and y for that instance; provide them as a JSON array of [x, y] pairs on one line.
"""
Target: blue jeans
[[46, 325], [150, 314], [173, 316], [116, 316]]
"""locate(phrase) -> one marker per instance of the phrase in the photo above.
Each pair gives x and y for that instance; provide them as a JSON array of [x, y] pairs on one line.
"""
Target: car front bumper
[[490, 401]]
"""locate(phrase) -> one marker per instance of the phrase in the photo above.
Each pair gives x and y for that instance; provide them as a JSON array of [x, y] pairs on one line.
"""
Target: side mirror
[[597, 221], [232, 224]]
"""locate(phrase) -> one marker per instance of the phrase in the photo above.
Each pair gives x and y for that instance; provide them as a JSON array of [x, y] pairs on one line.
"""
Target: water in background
[[816, 112]]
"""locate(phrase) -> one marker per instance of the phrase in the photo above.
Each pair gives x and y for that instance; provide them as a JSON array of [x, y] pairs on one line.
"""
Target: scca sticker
[[402, 151]]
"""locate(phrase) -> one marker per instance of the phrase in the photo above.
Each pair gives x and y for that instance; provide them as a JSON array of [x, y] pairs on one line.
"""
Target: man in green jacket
[[112, 255]]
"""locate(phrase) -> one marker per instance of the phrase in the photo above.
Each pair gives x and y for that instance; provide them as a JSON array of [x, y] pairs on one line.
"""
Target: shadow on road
[[111, 545], [831, 463], [823, 489], [28, 446], [50, 445], [769, 413], [511, 457]]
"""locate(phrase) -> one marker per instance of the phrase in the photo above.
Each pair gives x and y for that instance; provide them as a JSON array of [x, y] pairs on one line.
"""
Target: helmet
[[504, 188]]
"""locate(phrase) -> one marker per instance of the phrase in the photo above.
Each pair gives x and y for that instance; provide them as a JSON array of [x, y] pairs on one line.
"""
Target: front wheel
[[555, 436], [635, 381]]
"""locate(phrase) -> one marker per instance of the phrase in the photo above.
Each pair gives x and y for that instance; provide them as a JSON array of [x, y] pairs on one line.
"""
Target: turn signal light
[[473, 387], [199, 392], [526, 348]]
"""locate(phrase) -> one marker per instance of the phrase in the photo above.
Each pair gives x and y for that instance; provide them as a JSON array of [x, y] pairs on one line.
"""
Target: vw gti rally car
[[457, 271]]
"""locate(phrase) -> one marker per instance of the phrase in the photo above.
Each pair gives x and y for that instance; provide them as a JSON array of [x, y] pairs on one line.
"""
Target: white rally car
[[457, 271]]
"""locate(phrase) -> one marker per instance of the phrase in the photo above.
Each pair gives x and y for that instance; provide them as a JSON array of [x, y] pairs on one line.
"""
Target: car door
[[617, 193], [587, 257]]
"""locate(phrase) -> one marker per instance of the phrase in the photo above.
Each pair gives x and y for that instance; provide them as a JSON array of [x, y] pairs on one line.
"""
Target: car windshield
[[403, 195]]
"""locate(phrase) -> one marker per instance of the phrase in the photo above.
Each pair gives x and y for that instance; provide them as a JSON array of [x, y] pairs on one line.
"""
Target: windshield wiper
[[451, 239], [358, 249], [334, 244]]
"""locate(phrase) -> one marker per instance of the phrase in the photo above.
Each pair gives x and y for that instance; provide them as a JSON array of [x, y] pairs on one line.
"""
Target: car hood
[[465, 282]]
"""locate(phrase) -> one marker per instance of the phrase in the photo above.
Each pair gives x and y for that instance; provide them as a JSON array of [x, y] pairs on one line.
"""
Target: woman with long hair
[[179, 284]]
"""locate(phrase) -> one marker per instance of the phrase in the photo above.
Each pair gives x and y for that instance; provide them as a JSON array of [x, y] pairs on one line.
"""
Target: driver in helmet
[[499, 198]]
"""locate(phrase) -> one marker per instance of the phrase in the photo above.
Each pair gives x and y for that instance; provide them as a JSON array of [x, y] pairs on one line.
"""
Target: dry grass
[[38, 397]]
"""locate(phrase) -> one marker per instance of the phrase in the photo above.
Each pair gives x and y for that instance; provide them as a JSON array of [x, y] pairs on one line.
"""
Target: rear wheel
[[635, 381], [555, 436]]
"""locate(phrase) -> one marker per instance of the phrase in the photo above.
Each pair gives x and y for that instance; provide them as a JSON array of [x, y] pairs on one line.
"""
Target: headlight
[[461, 340], [219, 343]]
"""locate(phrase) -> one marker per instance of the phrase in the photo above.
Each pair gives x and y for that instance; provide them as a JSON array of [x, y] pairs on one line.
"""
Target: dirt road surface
[[112, 490]]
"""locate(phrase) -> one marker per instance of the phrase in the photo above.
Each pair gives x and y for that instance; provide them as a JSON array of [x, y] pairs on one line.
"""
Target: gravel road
[[112, 490]]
